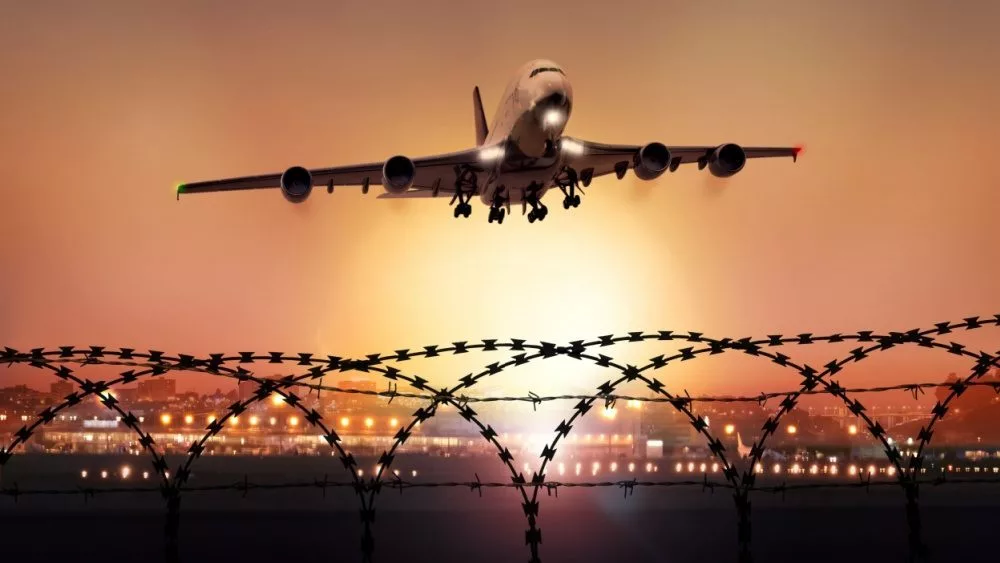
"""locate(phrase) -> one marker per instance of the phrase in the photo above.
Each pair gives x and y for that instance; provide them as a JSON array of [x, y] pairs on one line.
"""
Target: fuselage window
[[540, 70]]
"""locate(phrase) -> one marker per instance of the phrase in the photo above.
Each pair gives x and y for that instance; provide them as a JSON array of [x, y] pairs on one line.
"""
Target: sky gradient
[[888, 220]]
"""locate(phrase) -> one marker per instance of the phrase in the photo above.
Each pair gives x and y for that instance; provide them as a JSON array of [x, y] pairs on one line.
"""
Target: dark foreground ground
[[961, 522]]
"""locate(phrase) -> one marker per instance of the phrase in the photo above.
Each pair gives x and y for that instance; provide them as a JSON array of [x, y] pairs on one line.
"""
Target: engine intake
[[651, 161], [296, 183], [397, 174], [726, 160]]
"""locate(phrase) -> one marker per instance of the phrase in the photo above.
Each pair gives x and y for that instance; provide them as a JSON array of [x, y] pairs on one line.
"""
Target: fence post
[[172, 495], [742, 499]]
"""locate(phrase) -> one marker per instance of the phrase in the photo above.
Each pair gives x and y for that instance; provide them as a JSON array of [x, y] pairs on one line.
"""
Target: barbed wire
[[154, 363], [552, 487], [393, 393]]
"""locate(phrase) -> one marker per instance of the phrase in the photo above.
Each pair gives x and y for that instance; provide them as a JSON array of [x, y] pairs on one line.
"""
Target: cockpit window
[[550, 69]]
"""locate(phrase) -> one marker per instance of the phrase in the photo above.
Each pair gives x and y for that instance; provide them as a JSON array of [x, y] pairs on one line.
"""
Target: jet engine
[[651, 161], [296, 183], [726, 160], [397, 174]]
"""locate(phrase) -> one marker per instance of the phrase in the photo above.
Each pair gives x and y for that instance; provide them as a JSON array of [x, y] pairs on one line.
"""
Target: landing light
[[571, 146], [553, 118], [491, 153]]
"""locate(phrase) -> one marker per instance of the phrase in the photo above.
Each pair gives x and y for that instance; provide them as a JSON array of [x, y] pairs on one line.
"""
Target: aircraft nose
[[556, 99]]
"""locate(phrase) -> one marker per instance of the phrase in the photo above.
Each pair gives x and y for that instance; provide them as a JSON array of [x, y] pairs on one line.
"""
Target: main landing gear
[[568, 184], [497, 210], [465, 187]]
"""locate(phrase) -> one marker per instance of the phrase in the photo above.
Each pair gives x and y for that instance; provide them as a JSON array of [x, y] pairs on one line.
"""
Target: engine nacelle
[[397, 174], [726, 160], [296, 184], [651, 161]]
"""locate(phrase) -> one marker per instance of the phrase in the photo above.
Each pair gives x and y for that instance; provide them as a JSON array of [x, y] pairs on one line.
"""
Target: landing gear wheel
[[576, 200], [567, 202], [542, 212], [500, 215], [458, 211], [493, 214], [531, 216]]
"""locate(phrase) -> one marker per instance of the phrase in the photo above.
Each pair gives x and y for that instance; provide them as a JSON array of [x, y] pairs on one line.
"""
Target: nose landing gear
[[538, 209], [497, 211]]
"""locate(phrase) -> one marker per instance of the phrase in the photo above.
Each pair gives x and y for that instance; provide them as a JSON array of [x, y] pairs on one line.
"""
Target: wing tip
[[797, 151]]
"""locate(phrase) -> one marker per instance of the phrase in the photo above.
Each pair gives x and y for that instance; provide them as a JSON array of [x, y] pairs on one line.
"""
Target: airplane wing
[[433, 174], [592, 159]]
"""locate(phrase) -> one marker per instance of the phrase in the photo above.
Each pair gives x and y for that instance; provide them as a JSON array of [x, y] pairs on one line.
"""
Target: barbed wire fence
[[152, 363]]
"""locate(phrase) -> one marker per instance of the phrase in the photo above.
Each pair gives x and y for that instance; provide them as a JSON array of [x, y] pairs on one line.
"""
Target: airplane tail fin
[[480, 117]]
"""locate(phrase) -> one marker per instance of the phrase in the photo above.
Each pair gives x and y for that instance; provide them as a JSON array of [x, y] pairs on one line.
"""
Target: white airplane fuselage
[[530, 119]]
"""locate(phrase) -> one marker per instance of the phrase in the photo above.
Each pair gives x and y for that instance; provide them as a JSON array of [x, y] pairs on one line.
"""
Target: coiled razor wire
[[152, 363]]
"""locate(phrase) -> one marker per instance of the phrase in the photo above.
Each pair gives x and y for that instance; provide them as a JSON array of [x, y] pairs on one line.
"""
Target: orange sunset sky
[[888, 220]]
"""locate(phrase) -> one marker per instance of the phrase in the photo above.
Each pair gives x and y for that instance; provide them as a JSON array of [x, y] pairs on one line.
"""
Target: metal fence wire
[[739, 482]]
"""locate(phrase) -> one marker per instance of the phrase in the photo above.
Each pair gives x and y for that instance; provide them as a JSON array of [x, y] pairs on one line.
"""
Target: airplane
[[520, 157], [744, 451]]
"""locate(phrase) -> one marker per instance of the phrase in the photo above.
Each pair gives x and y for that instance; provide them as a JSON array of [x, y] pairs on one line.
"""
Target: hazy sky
[[887, 221]]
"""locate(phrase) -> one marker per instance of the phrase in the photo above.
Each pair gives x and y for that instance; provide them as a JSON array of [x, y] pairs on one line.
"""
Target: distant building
[[355, 401], [157, 389], [60, 389], [127, 395]]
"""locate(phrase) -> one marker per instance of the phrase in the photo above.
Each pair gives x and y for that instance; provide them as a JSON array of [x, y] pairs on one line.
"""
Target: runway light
[[792, 429], [833, 470], [852, 470], [369, 422], [703, 467], [730, 429], [814, 469], [871, 469], [344, 421], [293, 420], [165, 419], [759, 468], [211, 418], [579, 466], [188, 419], [234, 420], [679, 467], [609, 413], [633, 404], [649, 467], [413, 473], [715, 467], [777, 468], [145, 474], [614, 466], [690, 467], [277, 399], [126, 471], [104, 474], [273, 420], [562, 468], [852, 429], [83, 474], [631, 467], [393, 423], [254, 420]]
